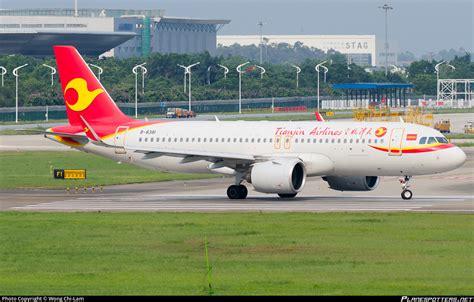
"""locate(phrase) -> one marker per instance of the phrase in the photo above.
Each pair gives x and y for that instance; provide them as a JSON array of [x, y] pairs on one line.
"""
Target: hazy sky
[[419, 26]]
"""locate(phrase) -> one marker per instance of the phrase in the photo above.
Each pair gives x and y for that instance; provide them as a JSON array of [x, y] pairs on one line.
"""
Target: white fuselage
[[352, 148]]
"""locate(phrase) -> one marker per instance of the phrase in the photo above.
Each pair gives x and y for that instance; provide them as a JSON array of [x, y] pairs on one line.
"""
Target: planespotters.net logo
[[437, 299]]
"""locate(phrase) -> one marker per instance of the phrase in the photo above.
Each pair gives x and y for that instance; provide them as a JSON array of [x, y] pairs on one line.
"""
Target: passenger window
[[187, 139], [442, 140], [423, 140], [210, 140], [333, 140], [228, 139], [181, 140], [431, 140], [258, 140], [375, 141], [157, 139], [223, 140], [351, 141], [152, 139], [241, 140], [320, 140], [192, 139], [327, 140], [146, 139], [314, 141], [296, 140], [199, 139], [270, 140], [253, 140], [363, 141], [204, 140], [264, 140], [175, 139]]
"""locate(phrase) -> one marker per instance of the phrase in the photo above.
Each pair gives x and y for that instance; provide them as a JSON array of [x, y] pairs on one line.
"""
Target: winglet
[[319, 117]]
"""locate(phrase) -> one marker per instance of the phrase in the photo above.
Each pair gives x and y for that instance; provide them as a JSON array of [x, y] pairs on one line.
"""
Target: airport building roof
[[40, 43]]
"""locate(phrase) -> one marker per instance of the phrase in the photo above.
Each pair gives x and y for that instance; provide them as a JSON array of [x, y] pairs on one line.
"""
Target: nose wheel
[[406, 194]]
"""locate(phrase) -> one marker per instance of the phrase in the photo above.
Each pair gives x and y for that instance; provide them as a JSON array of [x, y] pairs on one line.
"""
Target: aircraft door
[[119, 139], [395, 143]]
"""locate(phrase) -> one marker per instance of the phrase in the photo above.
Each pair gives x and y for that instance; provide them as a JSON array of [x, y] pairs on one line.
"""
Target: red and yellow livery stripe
[[416, 149]]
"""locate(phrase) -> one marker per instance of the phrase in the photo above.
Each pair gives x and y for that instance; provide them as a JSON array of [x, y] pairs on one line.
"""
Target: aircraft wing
[[190, 156]]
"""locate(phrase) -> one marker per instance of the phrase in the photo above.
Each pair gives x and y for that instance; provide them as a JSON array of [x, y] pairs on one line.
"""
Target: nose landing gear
[[406, 194]]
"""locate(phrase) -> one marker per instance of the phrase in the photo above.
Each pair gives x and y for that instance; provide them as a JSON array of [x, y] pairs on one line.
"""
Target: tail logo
[[84, 96]]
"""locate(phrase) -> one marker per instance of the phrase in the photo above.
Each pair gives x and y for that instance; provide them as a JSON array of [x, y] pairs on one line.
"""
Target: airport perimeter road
[[447, 192]]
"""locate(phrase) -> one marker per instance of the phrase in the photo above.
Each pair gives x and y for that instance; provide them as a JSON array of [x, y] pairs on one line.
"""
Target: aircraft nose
[[457, 157]]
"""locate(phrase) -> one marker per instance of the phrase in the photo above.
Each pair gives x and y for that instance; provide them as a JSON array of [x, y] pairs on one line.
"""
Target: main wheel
[[287, 195], [407, 194], [233, 192], [243, 192]]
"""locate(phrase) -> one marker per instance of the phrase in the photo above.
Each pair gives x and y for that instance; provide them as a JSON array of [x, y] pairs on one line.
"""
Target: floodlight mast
[[15, 73], [239, 70], [386, 8]]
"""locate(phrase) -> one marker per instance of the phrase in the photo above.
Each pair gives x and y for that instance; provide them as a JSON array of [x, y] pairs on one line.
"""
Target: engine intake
[[283, 176], [352, 183]]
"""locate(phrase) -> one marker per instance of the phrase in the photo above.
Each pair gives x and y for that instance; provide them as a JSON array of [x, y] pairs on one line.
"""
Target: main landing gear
[[406, 194]]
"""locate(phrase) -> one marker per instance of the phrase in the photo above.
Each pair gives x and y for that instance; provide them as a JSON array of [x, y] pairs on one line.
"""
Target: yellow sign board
[[69, 174], [329, 113]]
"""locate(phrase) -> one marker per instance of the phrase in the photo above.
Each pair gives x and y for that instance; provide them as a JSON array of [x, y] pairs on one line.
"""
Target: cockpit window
[[442, 140], [432, 140], [423, 140]]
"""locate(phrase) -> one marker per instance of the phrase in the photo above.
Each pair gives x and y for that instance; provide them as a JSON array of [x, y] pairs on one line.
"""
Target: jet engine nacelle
[[352, 183], [283, 176]]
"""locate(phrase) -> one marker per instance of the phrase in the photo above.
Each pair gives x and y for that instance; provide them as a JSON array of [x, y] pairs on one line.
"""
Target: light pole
[[189, 71], [386, 8], [100, 70], [298, 70], [262, 71], [4, 72], [134, 70], [15, 73], [261, 40], [53, 72], [209, 75], [437, 66], [317, 69], [185, 73], [226, 70], [239, 70]]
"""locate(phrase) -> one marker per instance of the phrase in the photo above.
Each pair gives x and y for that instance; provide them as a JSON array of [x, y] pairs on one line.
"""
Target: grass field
[[259, 253], [33, 170]]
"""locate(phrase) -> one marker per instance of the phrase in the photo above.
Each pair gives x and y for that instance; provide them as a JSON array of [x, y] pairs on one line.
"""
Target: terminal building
[[109, 32], [359, 49]]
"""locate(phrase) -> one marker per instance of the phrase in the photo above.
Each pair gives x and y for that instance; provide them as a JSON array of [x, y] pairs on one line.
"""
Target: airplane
[[274, 157]]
